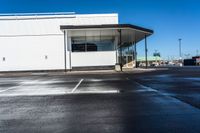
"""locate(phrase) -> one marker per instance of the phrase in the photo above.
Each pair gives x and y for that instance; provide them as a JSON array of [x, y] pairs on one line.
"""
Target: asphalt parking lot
[[154, 101]]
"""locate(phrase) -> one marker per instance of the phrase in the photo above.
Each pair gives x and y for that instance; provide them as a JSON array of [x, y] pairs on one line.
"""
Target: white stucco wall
[[46, 25], [26, 40], [103, 58], [28, 53]]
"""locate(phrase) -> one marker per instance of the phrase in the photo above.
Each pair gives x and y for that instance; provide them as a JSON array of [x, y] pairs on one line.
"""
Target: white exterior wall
[[28, 53], [25, 41], [46, 25], [84, 59]]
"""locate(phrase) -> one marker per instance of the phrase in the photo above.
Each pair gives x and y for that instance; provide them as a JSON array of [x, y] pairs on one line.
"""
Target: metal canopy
[[128, 31], [112, 26]]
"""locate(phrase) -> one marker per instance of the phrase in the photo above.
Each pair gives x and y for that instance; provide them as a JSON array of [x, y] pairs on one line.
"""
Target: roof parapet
[[28, 16], [37, 14]]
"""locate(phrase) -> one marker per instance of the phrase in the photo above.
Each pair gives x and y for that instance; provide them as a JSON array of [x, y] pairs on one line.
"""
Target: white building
[[64, 41]]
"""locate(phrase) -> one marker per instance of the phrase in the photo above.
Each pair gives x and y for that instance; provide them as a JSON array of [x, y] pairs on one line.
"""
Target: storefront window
[[95, 43]]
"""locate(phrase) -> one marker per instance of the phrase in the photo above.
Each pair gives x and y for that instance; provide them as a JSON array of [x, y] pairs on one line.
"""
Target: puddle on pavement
[[195, 79]]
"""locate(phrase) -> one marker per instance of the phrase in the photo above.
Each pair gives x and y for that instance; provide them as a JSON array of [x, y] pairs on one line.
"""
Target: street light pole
[[197, 52], [180, 55]]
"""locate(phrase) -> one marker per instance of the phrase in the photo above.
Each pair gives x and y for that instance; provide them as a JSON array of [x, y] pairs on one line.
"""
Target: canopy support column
[[146, 50], [120, 45], [118, 66], [65, 51], [135, 54]]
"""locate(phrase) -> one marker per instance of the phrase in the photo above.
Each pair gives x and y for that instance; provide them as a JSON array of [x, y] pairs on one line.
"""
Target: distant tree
[[156, 54], [187, 56], [197, 51]]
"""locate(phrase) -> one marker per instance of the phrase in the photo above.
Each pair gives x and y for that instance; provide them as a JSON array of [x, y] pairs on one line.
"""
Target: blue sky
[[170, 19]]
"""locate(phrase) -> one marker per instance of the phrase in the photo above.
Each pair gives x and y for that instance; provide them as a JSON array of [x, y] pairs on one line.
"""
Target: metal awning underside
[[107, 26], [129, 32]]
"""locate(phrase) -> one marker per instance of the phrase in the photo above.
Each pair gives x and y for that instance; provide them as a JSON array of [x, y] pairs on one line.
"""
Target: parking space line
[[145, 87], [98, 92], [74, 89], [7, 89]]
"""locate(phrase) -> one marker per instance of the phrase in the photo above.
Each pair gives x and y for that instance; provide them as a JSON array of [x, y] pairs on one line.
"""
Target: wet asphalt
[[160, 101]]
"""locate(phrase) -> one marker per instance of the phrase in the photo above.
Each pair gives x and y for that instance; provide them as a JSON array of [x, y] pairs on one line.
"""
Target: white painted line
[[18, 94], [59, 94], [7, 89], [145, 87], [77, 86], [103, 80], [97, 92], [39, 74]]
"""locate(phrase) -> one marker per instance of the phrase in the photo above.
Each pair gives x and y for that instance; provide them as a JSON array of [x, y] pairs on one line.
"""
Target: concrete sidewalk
[[39, 73]]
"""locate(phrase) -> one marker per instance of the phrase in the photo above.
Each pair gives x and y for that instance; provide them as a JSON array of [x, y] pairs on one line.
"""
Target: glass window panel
[[91, 47], [78, 47], [93, 43]]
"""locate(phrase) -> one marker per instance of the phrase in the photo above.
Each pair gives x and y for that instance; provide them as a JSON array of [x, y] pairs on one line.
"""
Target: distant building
[[195, 61], [64, 41], [152, 61]]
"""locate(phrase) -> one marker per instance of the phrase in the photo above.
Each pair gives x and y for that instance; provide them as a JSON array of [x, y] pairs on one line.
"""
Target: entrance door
[[127, 56]]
